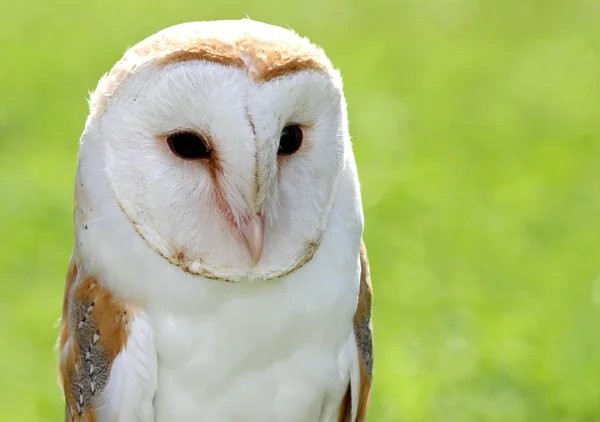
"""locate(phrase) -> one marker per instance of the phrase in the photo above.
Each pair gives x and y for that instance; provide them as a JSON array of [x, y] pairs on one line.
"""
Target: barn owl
[[218, 271]]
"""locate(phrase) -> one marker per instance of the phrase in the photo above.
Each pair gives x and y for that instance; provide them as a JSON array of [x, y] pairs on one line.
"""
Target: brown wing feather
[[93, 332], [363, 332], [64, 325]]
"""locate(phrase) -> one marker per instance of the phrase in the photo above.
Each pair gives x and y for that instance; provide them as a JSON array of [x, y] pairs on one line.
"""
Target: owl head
[[223, 144]]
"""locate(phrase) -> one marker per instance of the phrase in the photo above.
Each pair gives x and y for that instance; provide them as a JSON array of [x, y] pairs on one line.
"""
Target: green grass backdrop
[[477, 130]]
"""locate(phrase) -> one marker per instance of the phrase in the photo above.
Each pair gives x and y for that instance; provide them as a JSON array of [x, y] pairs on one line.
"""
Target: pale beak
[[253, 232]]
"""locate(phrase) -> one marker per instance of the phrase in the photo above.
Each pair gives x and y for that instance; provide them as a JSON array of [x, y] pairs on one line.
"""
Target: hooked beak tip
[[253, 233]]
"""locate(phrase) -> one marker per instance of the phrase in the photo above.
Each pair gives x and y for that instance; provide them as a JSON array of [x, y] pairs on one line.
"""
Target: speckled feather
[[88, 344], [95, 330]]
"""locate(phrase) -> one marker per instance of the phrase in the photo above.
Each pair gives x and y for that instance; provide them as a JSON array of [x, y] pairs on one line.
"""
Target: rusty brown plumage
[[64, 327], [94, 330]]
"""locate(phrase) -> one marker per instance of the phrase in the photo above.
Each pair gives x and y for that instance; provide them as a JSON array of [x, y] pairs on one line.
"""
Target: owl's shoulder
[[357, 399], [94, 330]]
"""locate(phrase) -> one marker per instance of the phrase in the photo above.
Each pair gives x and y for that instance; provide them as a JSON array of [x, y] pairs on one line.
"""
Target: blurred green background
[[477, 131]]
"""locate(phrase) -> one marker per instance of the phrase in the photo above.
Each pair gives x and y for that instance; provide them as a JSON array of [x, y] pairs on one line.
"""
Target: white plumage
[[223, 287]]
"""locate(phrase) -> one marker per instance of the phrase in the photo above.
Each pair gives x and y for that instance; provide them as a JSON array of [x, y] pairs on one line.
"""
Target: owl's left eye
[[290, 140], [188, 145]]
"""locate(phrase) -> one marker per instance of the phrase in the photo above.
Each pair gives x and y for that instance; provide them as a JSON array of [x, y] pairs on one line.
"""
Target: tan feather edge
[[363, 331]]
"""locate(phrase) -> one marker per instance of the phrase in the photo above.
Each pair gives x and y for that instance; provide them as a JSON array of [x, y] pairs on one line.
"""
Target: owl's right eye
[[188, 145]]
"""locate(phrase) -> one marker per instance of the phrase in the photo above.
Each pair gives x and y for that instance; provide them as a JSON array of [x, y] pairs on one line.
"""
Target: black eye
[[188, 145], [290, 140]]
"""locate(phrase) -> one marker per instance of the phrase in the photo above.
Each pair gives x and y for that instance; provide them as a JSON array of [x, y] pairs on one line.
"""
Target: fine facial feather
[[175, 205]]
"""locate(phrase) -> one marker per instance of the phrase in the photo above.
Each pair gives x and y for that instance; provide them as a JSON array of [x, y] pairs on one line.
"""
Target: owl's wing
[[108, 364], [356, 401]]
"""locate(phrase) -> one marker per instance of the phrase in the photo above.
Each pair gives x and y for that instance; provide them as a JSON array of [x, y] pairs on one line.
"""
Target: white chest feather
[[274, 351]]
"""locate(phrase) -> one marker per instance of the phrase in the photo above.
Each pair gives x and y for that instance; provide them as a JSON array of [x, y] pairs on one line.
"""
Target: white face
[[192, 157]]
